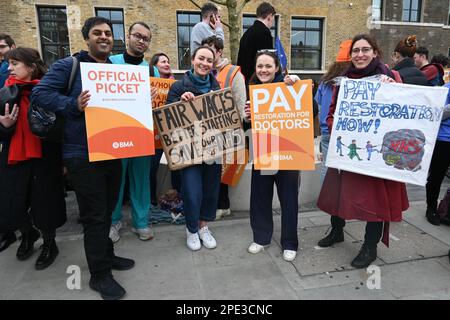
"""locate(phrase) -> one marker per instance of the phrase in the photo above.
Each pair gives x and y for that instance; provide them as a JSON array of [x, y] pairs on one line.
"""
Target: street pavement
[[416, 266]]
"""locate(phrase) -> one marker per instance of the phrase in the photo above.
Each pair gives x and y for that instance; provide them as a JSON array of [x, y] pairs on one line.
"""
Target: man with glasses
[[137, 169]]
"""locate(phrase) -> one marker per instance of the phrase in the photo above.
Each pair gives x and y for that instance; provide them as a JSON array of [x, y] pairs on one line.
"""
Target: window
[[185, 22], [448, 22], [116, 18], [411, 10], [53, 33], [377, 10], [249, 19], [306, 44]]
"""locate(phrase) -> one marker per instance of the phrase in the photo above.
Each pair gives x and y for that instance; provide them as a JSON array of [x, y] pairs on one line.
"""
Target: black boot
[[119, 263], [433, 217], [446, 219], [48, 254], [6, 239], [365, 257], [26, 246], [108, 288], [336, 235]]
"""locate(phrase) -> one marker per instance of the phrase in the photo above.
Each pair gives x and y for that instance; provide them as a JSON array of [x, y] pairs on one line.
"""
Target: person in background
[[256, 38], [31, 169], [403, 58], [325, 93], [200, 182], [96, 184], [268, 70], [136, 169], [434, 72], [6, 44], [161, 62], [346, 195], [225, 71], [209, 26]]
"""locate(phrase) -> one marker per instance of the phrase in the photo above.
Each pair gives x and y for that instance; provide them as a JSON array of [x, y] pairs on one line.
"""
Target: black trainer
[[336, 235], [48, 255], [108, 288], [26, 246], [365, 257], [6, 239], [433, 217], [119, 263], [446, 220]]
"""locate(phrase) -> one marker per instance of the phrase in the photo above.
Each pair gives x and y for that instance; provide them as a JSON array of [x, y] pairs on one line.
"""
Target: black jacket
[[257, 37], [410, 73]]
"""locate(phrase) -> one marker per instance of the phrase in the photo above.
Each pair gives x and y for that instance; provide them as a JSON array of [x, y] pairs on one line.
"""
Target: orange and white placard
[[282, 126], [119, 120]]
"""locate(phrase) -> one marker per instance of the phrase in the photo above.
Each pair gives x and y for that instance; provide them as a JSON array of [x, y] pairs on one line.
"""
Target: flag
[[280, 53]]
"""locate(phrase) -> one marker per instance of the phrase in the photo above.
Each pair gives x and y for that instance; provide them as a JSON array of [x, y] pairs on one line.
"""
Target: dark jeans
[[224, 200], [374, 230], [261, 215], [438, 167], [96, 185], [200, 185]]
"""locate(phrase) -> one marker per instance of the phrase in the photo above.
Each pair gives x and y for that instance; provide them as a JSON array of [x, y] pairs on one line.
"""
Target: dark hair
[[441, 59], [209, 8], [139, 23], [202, 47], [92, 22], [423, 51], [265, 9], [213, 41], [155, 58], [335, 70], [9, 41], [407, 47], [31, 58], [371, 40], [254, 79]]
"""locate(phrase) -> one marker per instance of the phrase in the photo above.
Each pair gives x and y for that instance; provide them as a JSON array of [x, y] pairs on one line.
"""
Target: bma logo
[[282, 157], [121, 145]]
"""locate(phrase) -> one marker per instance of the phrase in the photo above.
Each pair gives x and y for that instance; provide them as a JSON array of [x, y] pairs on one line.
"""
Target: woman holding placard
[[287, 181], [199, 183], [346, 195]]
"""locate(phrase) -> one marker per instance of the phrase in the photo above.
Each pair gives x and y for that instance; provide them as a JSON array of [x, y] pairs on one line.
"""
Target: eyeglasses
[[139, 37], [363, 50], [3, 46]]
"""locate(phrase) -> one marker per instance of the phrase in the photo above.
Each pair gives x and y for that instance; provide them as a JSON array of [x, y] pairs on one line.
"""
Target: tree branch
[[243, 4], [195, 4], [216, 1], [222, 3]]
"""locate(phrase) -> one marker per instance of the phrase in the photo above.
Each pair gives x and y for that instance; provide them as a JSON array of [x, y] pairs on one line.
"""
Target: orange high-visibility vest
[[226, 75]]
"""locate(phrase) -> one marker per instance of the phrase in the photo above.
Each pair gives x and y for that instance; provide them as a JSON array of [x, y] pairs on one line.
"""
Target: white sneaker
[[207, 238], [221, 213], [289, 255], [144, 233], [193, 241], [255, 248], [114, 231]]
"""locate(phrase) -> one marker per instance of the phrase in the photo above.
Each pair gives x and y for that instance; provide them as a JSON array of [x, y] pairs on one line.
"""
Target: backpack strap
[[73, 73]]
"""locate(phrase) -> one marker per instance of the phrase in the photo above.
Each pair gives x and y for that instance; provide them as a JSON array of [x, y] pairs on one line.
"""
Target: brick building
[[428, 19], [310, 31]]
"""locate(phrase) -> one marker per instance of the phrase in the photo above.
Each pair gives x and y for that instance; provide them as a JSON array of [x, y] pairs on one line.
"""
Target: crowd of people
[[33, 170]]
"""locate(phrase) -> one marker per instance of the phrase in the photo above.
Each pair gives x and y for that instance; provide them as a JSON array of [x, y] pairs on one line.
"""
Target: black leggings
[[374, 230]]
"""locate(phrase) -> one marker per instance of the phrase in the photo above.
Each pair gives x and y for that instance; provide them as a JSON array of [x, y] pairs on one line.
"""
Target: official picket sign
[[162, 87], [386, 130], [282, 126], [199, 131], [119, 121]]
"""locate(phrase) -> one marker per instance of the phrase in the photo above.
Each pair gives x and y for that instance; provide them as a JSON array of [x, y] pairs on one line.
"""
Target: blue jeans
[[200, 185], [324, 143]]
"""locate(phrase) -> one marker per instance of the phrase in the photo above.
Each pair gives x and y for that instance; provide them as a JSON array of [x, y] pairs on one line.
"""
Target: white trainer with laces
[[207, 238], [255, 248], [289, 255], [193, 241], [114, 232], [144, 233]]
